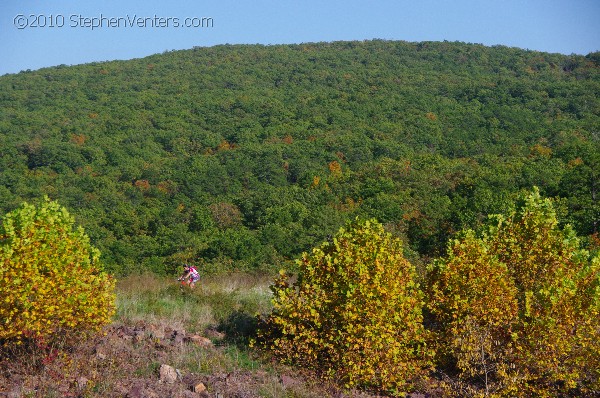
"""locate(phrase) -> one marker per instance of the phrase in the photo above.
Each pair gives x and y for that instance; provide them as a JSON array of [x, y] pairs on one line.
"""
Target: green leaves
[[428, 137]]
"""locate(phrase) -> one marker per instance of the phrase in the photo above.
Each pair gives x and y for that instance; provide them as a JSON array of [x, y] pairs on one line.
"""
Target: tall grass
[[214, 300]]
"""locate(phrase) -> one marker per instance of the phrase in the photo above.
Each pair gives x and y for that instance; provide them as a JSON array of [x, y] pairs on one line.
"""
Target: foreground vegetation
[[512, 308], [354, 313], [54, 288], [125, 359]]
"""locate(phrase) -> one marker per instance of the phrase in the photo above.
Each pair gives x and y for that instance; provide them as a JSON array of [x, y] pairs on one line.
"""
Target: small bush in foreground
[[51, 280], [354, 312], [517, 311]]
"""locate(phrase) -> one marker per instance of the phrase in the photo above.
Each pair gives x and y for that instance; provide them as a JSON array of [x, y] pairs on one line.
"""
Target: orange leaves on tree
[[431, 116], [142, 185], [315, 182], [335, 168], [226, 146], [78, 139], [539, 150]]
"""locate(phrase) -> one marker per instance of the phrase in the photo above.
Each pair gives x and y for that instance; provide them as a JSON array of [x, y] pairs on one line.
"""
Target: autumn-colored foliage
[[431, 116], [142, 185], [51, 281], [78, 139], [475, 306], [226, 215], [540, 151], [354, 312], [516, 311], [335, 169]]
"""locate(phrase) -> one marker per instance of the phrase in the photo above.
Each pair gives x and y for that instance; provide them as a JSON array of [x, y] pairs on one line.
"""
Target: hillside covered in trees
[[244, 156]]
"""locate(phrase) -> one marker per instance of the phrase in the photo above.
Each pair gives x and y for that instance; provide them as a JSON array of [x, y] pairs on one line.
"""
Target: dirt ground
[[149, 361]]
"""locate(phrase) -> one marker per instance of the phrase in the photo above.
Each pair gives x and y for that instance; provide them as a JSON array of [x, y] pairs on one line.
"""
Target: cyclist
[[190, 273]]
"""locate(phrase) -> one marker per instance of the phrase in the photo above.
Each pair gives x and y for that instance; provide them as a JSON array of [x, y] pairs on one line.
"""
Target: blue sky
[[567, 26]]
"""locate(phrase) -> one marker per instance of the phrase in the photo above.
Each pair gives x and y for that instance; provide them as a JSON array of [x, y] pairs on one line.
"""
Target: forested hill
[[246, 155]]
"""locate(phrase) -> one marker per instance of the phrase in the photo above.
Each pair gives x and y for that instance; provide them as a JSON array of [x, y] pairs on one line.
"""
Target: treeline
[[248, 155]]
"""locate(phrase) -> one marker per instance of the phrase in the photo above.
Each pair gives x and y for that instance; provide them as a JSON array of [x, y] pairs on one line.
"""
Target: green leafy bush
[[354, 312], [516, 311], [51, 280]]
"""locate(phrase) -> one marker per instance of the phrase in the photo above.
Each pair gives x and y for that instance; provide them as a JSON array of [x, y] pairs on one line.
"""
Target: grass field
[[211, 303]]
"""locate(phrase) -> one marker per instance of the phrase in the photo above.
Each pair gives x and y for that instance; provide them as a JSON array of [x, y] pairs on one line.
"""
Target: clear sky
[[40, 33]]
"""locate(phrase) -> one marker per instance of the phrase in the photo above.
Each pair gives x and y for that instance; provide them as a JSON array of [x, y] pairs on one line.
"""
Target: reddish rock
[[156, 332], [214, 334], [201, 341], [199, 388], [168, 374], [82, 383]]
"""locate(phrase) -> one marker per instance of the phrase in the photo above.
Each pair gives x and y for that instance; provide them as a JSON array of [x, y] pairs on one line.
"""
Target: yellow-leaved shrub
[[51, 281], [353, 313], [474, 302], [516, 311]]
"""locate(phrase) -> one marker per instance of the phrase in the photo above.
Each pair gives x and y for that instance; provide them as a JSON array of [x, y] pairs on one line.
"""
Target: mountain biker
[[191, 274]]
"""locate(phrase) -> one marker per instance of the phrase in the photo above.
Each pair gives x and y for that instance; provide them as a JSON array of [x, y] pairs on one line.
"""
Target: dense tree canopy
[[251, 154]]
